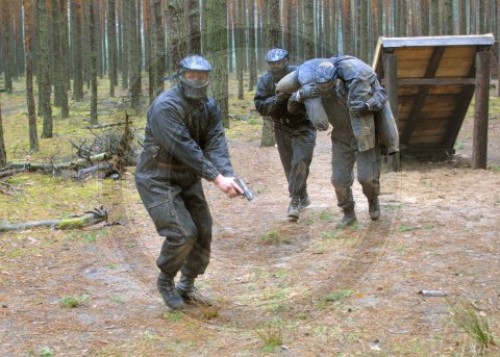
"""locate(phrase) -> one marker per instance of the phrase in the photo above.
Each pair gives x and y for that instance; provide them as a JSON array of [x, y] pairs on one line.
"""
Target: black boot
[[374, 208], [189, 293], [294, 209], [168, 292], [348, 219], [305, 201]]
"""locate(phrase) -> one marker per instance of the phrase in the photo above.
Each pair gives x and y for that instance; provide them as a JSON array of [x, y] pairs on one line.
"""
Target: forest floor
[[280, 288]]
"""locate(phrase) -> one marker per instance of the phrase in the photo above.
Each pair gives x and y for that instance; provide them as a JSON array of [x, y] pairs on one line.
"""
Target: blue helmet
[[194, 74], [325, 75], [277, 60], [276, 54], [195, 63]]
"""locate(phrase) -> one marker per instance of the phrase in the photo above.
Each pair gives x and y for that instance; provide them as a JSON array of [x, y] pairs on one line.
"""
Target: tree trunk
[[241, 45], [309, 39], [273, 40], [7, 44], [252, 64], [44, 63], [135, 56], [215, 48], [3, 153], [158, 52], [77, 17], [30, 100], [194, 34], [176, 39], [112, 48], [93, 64]]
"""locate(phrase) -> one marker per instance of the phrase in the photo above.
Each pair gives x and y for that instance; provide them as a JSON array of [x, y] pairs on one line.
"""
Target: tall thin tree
[[215, 48], [30, 99], [45, 84], [112, 47], [3, 153], [93, 63]]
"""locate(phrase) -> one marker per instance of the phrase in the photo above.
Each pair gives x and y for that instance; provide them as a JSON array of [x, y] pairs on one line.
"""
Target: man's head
[[277, 60], [194, 74], [325, 76]]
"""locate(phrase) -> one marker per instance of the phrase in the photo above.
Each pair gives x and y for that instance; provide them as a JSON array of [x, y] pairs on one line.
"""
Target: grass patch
[[326, 216], [331, 234], [274, 236], [271, 337], [476, 326], [339, 295], [404, 228], [70, 302]]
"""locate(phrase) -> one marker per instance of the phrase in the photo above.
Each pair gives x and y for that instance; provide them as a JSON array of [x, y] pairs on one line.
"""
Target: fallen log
[[16, 167], [90, 218]]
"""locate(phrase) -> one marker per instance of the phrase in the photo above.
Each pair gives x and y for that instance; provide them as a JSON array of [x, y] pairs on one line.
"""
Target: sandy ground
[[324, 292]]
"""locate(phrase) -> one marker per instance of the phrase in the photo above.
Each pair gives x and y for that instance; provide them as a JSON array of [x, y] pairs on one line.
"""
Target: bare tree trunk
[[194, 34], [252, 64], [3, 153], [309, 42], [30, 100], [215, 48], [177, 40], [158, 65], [272, 12], [347, 28], [7, 44], [135, 55], [77, 17], [44, 63], [112, 48], [93, 64], [240, 45]]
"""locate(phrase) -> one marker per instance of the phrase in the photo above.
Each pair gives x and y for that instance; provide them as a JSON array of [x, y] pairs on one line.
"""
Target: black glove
[[281, 97], [360, 108], [307, 91]]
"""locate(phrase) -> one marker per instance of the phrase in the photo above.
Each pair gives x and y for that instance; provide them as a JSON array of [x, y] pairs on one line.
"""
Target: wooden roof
[[435, 82]]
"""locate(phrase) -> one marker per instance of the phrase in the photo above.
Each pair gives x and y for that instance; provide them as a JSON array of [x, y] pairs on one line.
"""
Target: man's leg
[[368, 164], [303, 141], [174, 222], [283, 137], [198, 258], [343, 158]]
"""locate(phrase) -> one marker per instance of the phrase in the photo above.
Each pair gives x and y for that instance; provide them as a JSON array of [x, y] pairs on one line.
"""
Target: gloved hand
[[282, 97], [307, 91], [360, 107]]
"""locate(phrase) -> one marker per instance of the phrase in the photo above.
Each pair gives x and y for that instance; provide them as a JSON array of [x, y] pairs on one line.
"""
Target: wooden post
[[390, 63], [480, 134]]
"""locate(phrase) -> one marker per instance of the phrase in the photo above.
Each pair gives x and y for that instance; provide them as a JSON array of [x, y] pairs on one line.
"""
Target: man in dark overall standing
[[294, 134], [184, 143], [352, 95]]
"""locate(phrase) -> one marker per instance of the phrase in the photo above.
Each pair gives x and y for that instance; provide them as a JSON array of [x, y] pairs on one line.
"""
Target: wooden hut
[[431, 82]]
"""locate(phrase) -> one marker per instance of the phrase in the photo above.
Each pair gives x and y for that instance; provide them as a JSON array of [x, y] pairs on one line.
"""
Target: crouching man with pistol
[[184, 142]]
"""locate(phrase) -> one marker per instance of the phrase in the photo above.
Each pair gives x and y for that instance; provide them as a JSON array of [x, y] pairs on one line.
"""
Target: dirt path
[[327, 292]]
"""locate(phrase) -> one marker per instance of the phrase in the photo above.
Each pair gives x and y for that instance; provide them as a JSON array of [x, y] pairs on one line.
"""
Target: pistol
[[246, 190]]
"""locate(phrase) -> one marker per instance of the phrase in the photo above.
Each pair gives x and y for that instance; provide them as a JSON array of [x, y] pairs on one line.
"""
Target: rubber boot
[[294, 210], [348, 219], [374, 209], [188, 292], [168, 292], [305, 201]]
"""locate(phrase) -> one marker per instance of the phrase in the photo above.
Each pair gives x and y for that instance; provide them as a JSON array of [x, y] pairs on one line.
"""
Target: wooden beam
[[418, 103], [390, 65], [480, 133], [435, 81]]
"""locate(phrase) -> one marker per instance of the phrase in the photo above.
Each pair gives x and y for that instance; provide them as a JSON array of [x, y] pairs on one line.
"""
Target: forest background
[[302, 289], [73, 47]]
